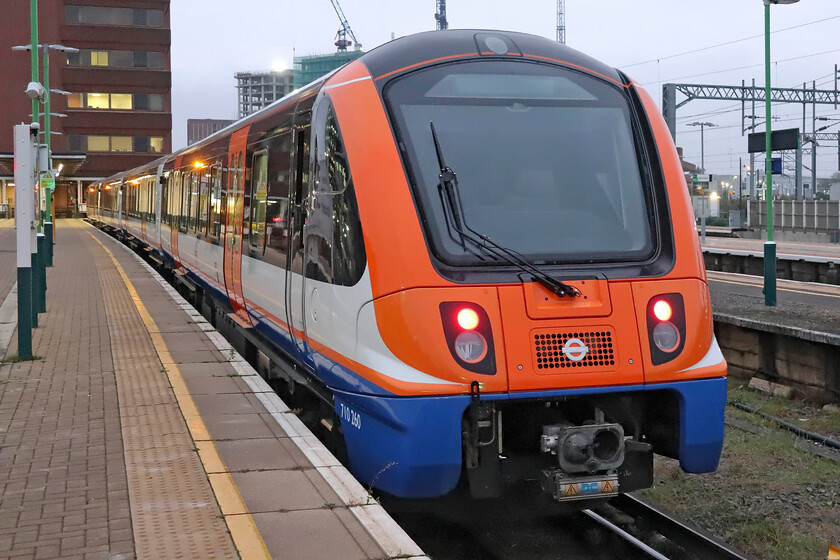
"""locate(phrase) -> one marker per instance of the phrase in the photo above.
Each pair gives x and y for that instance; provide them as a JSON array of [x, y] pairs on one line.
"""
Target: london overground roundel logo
[[575, 349]]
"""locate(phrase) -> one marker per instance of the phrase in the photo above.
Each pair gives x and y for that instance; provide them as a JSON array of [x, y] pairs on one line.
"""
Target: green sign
[[47, 181]]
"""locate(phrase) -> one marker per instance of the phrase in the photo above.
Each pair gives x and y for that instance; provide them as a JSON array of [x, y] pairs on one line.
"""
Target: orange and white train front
[[538, 303]]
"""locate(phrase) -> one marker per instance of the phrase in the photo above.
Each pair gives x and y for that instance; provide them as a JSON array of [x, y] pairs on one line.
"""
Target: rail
[[692, 542]]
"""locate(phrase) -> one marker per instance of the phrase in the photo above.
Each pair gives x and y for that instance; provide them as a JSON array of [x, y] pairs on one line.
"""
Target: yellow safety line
[[242, 528], [757, 284]]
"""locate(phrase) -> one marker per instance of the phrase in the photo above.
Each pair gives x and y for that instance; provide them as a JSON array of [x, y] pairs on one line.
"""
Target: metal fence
[[821, 216]]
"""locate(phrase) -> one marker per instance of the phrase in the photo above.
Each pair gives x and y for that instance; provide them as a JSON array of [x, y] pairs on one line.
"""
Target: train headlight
[[666, 327], [666, 337], [470, 347], [469, 336]]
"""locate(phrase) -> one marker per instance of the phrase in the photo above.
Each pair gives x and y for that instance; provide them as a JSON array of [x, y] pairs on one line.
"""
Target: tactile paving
[[173, 508]]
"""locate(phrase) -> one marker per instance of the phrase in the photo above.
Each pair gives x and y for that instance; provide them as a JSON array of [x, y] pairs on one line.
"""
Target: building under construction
[[309, 68], [260, 89]]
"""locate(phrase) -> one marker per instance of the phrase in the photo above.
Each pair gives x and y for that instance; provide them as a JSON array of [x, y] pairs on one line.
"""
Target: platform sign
[[787, 139], [701, 178], [705, 207], [776, 166]]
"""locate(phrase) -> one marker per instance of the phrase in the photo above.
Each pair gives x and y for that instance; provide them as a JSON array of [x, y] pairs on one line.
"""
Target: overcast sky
[[211, 42]]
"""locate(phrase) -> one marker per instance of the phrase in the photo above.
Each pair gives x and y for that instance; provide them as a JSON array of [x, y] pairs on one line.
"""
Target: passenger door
[[233, 232], [298, 213]]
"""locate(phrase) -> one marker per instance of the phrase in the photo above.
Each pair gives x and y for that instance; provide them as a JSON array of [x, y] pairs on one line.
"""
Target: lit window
[[98, 101], [121, 101], [156, 144], [74, 101], [98, 144], [121, 144], [99, 58]]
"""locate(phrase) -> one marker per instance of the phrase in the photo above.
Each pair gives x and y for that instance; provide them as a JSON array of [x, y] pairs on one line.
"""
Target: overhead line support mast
[[744, 93]]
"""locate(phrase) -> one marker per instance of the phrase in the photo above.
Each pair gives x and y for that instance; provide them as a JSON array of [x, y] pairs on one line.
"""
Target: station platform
[[138, 432], [808, 252]]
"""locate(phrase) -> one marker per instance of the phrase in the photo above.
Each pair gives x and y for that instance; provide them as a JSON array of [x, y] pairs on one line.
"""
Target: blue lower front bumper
[[411, 446]]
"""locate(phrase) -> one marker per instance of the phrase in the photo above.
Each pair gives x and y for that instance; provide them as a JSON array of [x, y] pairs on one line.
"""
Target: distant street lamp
[[770, 245], [702, 126]]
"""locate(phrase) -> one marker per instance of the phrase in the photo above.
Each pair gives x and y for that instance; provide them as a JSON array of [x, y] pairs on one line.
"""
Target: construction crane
[[440, 15], [341, 40], [561, 21]]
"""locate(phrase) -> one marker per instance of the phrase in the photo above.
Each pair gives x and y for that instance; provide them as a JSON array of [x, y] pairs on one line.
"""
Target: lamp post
[[702, 126], [49, 184], [770, 245]]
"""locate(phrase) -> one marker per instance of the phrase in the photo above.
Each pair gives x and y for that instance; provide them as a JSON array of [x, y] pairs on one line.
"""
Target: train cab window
[[217, 202], [336, 238], [259, 199], [550, 161]]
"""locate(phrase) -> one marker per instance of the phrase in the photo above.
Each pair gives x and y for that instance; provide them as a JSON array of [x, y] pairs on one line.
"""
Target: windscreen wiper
[[454, 216]]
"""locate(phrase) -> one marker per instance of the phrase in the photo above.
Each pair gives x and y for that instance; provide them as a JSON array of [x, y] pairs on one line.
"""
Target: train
[[474, 250]]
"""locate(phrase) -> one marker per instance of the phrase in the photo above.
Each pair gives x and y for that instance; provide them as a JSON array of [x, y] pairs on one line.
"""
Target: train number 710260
[[350, 416]]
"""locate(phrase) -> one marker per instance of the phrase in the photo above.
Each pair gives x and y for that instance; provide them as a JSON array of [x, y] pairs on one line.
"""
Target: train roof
[[405, 52]]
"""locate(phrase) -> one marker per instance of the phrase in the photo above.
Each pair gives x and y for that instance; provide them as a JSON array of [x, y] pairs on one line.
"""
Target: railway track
[[518, 528], [658, 534]]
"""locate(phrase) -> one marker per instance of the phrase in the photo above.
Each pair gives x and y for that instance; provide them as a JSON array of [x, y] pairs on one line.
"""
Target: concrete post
[[25, 231], [800, 191], [669, 108]]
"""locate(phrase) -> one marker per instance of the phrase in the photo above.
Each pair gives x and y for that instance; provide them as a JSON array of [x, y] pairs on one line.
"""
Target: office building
[[118, 114]]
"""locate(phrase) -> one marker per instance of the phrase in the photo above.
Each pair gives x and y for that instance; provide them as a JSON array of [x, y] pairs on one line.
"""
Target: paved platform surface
[[139, 433], [803, 309], [788, 250]]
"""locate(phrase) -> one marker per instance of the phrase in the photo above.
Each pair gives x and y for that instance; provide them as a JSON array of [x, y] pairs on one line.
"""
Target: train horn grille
[[574, 349]]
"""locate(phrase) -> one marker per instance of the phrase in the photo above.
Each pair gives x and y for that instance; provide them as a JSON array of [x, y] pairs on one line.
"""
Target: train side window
[[151, 194], [195, 195], [277, 199], [186, 179], [164, 199], [140, 210], [217, 202], [340, 250], [298, 211], [203, 201], [259, 198], [174, 199], [132, 199]]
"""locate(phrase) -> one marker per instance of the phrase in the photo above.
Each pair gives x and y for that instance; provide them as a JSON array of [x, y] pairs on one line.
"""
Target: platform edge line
[[396, 545]]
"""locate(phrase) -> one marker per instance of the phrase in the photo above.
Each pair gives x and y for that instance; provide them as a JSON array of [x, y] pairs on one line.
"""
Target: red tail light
[[662, 310], [467, 318], [666, 327], [466, 327]]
